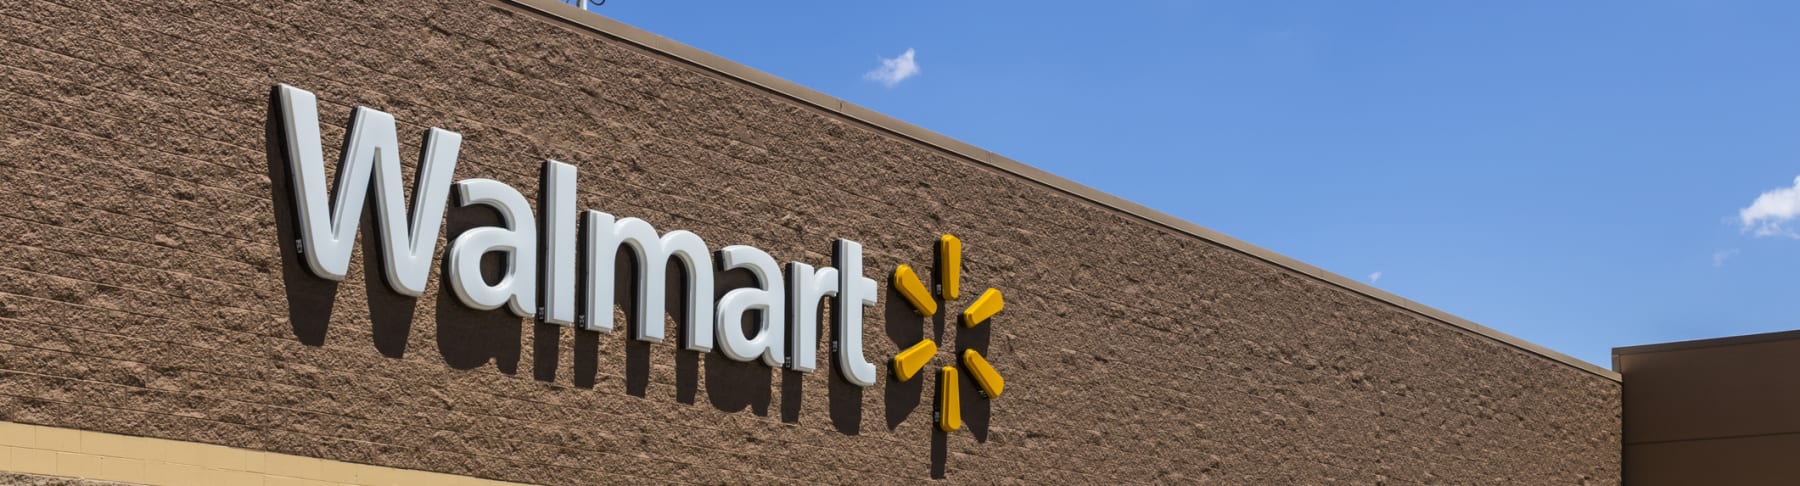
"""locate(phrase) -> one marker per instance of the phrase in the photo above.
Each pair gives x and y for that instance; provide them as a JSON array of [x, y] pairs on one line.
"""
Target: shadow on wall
[[793, 383], [310, 298], [905, 327], [637, 352], [977, 414], [844, 399], [469, 339], [977, 411], [733, 385]]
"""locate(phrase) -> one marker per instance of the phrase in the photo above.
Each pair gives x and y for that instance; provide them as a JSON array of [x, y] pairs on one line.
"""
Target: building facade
[[1712, 411], [183, 300]]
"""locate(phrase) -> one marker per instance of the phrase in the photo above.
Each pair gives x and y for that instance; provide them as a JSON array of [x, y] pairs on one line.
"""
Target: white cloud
[[1765, 216], [1720, 256], [1375, 277], [893, 71]]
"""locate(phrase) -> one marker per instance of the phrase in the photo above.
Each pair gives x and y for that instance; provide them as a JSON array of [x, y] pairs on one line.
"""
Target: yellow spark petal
[[909, 286], [950, 273], [908, 363], [949, 409], [984, 307], [985, 376]]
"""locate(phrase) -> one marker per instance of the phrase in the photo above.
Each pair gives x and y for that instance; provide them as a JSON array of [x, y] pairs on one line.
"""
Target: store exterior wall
[[150, 285], [1713, 411]]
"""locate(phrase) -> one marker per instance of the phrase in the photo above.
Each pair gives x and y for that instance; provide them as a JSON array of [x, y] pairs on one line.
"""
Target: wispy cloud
[[1771, 210], [1375, 277], [1720, 256], [893, 71]]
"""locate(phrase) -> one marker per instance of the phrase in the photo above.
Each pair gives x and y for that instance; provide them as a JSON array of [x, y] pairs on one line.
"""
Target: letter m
[[328, 224]]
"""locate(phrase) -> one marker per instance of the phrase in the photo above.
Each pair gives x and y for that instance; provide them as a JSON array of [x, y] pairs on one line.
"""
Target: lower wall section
[[28, 453], [1734, 460]]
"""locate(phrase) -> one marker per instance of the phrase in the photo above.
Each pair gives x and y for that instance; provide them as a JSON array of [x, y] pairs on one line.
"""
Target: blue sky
[[1571, 173]]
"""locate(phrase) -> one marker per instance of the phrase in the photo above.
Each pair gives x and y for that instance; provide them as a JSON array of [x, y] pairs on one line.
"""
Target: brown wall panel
[[1715, 411], [1710, 392], [146, 289], [1746, 461]]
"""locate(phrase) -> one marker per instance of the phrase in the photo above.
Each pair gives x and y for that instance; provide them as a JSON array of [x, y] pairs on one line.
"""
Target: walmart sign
[[408, 235]]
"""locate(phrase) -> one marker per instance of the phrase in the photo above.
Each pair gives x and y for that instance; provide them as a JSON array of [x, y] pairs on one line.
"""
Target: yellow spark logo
[[907, 364]]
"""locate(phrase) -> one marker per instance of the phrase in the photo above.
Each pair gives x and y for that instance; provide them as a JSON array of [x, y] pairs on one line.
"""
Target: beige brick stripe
[[70, 453]]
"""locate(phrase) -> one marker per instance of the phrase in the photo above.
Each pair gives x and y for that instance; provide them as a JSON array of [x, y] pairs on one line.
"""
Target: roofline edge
[[1741, 339], [696, 57]]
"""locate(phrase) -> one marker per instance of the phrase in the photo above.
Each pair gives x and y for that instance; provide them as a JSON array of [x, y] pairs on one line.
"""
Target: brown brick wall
[[144, 288]]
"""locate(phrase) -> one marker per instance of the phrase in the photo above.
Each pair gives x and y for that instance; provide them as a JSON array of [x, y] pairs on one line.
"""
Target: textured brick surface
[[37, 480], [144, 289]]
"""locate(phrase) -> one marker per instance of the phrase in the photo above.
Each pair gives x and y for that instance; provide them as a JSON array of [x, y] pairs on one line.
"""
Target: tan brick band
[[69, 453]]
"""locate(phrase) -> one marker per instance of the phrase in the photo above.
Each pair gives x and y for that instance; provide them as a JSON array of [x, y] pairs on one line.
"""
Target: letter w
[[327, 233]]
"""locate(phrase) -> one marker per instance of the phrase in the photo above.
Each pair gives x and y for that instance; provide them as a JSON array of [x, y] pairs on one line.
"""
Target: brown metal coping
[[602, 25], [1708, 343]]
